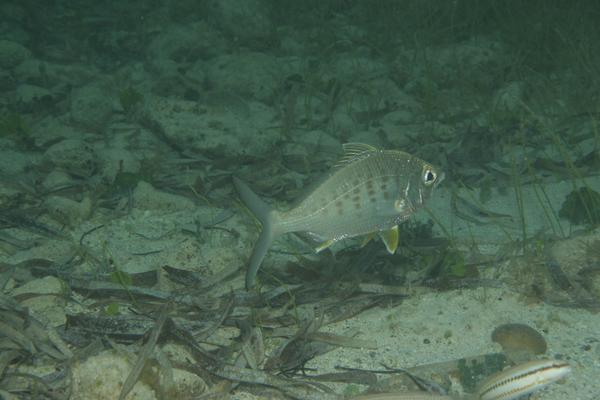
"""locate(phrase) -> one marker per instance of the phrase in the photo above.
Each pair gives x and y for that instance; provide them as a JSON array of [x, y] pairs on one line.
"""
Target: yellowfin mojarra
[[368, 191]]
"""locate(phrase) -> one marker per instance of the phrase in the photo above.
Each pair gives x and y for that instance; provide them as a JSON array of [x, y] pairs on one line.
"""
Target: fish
[[368, 192], [401, 396], [522, 379]]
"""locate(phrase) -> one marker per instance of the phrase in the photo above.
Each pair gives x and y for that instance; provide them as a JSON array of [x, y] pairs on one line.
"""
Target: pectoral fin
[[390, 239]]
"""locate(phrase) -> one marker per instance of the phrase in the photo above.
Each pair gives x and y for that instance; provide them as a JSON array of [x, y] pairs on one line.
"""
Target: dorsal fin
[[354, 152]]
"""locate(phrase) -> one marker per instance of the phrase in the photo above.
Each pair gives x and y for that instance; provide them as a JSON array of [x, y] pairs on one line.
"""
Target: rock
[[56, 179], [247, 20], [101, 377], [7, 82], [319, 144], [12, 54], [290, 43], [350, 68], [74, 156], [31, 71], [51, 130], [46, 285], [13, 12], [168, 81], [187, 43], [145, 196], [476, 51], [91, 107], [224, 129], [68, 212], [318, 139], [197, 72], [165, 68], [188, 385], [117, 159], [45, 297], [30, 97], [14, 162], [69, 75], [253, 74]]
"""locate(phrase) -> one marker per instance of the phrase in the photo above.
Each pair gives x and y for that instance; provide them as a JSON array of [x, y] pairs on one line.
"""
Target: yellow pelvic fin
[[390, 239], [324, 245]]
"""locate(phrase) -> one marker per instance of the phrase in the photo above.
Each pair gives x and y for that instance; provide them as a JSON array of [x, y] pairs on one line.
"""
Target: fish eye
[[429, 176]]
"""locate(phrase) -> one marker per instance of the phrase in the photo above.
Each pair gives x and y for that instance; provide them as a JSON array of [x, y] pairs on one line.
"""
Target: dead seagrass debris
[[146, 351], [20, 330], [23, 339]]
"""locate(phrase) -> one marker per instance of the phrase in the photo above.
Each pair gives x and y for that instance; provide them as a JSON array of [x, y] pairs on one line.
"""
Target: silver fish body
[[368, 191], [522, 379]]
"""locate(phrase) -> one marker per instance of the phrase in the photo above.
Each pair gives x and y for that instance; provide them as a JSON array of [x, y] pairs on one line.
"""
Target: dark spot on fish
[[369, 185], [386, 196], [356, 190], [385, 178], [340, 207], [371, 194], [355, 183], [356, 200], [383, 187]]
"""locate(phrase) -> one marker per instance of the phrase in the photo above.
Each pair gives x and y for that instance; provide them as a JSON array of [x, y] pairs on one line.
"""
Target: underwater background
[[124, 244]]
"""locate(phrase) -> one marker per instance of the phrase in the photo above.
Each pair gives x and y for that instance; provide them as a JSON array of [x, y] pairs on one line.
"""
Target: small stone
[[145, 196], [74, 156], [91, 107]]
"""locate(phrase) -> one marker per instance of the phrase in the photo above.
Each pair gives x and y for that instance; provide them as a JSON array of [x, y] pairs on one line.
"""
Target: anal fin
[[390, 238], [368, 237]]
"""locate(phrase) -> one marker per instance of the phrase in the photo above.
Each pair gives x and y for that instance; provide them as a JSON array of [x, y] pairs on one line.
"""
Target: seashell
[[519, 339]]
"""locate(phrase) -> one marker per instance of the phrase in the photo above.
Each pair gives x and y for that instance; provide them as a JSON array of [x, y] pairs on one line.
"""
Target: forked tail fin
[[267, 217]]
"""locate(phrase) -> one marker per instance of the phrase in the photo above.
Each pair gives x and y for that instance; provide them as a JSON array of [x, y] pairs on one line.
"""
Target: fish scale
[[368, 191], [354, 201]]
